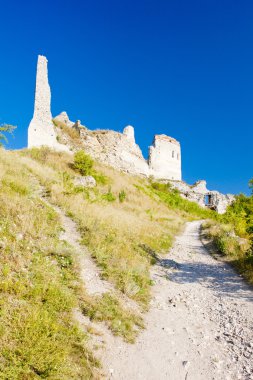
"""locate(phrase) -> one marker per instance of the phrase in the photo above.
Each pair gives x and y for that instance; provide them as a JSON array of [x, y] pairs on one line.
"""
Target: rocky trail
[[200, 324]]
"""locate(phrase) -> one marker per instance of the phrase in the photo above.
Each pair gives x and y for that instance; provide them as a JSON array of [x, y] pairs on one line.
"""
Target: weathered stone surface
[[116, 149], [63, 118], [120, 151], [165, 158], [129, 133], [86, 181], [112, 148], [41, 129], [205, 198]]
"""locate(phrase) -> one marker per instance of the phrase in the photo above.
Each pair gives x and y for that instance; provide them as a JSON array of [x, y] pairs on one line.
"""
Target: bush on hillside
[[83, 163], [236, 250], [109, 196], [251, 185], [233, 237], [122, 196], [240, 215]]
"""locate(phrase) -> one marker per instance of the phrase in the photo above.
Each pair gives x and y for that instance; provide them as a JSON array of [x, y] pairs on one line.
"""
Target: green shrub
[[236, 250], [161, 186], [109, 196], [122, 196], [240, 215], [100, 178], [83, 163]]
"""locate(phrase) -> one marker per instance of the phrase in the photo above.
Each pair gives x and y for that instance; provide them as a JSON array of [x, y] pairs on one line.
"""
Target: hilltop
[[103, 270], [72, 254]]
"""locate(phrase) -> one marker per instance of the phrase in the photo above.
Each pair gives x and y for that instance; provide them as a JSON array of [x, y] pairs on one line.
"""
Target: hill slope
[[71, 254]]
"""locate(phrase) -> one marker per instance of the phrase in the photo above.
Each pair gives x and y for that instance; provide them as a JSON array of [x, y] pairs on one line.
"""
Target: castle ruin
[[116, 149], [113, 148]]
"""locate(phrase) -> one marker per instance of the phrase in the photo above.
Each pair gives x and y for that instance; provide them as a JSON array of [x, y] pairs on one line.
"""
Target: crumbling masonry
[[113, 148]]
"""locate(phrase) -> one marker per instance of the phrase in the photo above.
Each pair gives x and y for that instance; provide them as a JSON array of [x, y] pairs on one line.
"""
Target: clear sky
[[183, 68]]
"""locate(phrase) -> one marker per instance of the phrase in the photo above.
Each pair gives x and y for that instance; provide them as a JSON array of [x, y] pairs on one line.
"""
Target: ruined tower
[[165, 158], [41, 129]]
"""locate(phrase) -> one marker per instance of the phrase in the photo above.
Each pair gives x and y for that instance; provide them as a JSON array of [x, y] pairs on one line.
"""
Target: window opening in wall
[[173, 153], [178, 156], [208, 199]]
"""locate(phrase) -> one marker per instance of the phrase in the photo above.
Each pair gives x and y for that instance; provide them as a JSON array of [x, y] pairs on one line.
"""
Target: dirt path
[[89, 272], [200, 325]]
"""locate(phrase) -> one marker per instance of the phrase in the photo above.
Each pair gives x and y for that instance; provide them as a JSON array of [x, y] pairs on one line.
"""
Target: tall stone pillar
[[41, 129]]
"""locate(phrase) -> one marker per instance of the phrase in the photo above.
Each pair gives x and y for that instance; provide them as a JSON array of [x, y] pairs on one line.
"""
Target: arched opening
[[208, 200]]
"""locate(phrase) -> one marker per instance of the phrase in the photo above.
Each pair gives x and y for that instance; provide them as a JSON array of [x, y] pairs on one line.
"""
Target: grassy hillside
[[123, 221], [232, 235], [39, 286]]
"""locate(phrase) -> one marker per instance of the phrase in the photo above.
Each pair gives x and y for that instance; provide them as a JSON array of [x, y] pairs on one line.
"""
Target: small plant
[[83, 163], [67, 183], [100, 178], [122, 196], [164, 187], [109, 196], [5, 128]]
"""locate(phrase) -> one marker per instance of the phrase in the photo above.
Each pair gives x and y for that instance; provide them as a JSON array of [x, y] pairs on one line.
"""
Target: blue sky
[[183, 68]]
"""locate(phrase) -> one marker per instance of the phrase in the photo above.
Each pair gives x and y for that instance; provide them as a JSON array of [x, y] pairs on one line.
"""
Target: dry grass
[[39, 286], [72, 133], [115, 232]]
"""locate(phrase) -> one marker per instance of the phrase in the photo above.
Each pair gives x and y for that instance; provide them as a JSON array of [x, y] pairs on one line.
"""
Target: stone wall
[[121, 151], [113, 148], [116, 149], [205, 198]]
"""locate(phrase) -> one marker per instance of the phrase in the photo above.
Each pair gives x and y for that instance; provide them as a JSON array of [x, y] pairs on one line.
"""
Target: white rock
[[86, 181]]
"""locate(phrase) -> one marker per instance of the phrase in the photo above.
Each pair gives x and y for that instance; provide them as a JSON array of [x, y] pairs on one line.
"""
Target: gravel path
[[200, 325]]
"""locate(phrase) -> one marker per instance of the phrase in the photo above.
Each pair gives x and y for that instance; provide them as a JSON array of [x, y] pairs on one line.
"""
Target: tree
[[251, 185], [5, 128]]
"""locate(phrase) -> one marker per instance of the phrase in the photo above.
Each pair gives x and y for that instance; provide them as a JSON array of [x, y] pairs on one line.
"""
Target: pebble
[[186, 364]]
